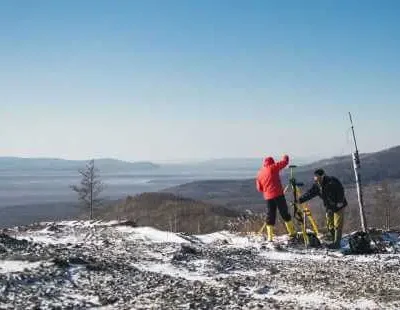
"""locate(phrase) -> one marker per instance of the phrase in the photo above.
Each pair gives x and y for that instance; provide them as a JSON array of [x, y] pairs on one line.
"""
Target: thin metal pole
[[356, 165]]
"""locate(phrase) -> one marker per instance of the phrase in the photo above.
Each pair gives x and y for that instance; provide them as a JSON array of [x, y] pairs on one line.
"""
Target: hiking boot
[[336, 240], [290, 229], [270, 233]]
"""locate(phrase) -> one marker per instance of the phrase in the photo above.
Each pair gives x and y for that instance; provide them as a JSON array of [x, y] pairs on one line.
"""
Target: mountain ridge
[[241, 194], [12, 162]]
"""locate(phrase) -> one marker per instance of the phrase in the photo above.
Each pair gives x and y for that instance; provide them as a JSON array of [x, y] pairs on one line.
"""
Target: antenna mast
[[356, 165]]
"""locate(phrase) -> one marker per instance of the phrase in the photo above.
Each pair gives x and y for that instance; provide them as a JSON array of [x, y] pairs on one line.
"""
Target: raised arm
[[282, 163]]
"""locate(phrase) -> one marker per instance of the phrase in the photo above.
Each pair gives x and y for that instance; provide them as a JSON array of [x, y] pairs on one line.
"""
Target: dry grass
[[173, 213]]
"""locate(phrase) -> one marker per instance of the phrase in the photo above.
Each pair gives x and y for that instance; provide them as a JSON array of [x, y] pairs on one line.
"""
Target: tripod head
[[293, 182], [292, 179]]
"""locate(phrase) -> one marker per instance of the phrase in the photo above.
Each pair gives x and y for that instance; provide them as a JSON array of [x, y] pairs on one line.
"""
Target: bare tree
[[90, 187]]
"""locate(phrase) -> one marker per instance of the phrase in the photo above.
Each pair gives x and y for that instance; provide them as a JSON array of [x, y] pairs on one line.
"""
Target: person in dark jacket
[[331, 191], [268, 182]]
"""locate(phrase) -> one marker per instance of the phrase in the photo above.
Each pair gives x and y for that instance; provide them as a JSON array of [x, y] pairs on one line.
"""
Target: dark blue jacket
[[330, 191]]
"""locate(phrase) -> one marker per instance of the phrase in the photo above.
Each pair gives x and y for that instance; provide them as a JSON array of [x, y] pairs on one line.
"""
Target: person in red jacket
[[268, 182]]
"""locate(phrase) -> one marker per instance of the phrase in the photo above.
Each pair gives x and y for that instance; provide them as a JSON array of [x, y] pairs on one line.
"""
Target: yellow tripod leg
[[303, 210], [304, 216], [263, 227], [307, 212], [312, 221], [305, 236]]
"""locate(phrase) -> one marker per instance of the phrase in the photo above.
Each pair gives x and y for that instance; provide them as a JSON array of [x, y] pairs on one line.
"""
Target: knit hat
[[319, 172]]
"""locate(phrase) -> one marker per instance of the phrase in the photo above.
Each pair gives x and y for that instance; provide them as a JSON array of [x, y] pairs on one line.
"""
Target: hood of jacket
[[268, 161]]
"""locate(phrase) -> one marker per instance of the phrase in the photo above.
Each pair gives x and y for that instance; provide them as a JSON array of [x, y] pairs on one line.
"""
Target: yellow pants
[[334, 220]]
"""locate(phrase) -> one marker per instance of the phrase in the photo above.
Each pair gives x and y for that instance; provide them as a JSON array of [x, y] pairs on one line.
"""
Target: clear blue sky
[[163, 80]]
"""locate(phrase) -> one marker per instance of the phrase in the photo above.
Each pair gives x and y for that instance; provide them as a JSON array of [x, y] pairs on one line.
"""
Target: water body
[[19, 188]]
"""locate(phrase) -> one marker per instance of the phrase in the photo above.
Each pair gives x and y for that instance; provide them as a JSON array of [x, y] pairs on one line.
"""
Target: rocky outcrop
[[82, 265]]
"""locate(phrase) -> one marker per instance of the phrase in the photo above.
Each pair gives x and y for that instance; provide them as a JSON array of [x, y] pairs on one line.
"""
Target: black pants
[[280, 204]]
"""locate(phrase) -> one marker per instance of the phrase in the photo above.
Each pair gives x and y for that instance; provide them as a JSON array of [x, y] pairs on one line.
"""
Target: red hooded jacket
[[268, 180]]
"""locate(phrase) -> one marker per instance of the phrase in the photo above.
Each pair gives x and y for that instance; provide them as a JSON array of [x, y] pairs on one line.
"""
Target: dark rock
[[13, 243], [77, 261], [55, 228], [96, 267], [3, 249], [107, 300], [190, 249], [187, 252], [61, 262], [263, 290]]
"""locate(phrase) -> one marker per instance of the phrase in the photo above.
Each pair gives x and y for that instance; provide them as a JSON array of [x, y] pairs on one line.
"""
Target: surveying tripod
[[301, 211]]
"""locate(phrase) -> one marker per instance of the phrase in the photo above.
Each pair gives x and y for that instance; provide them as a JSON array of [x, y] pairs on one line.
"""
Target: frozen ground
[[95, 265]]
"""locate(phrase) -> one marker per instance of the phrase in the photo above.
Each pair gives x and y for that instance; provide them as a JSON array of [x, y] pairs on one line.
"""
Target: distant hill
[[243, 163], [104, 164], [170, 212], [375, 167]]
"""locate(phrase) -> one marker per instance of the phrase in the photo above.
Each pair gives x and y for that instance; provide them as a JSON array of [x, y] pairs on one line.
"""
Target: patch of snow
[[221, 236], [288, 256], [155, 255], [365, 304], [170, 270], [314, 299], [393, 258], [82, 223], [100, 223], [78, 297], [150, 234], [210, 238], [47, 237], [87, 298], [75, 272], [68, 223], [8, 266]]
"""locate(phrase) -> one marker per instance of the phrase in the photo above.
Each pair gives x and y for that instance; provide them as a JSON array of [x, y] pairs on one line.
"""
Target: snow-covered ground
[[107, 265]]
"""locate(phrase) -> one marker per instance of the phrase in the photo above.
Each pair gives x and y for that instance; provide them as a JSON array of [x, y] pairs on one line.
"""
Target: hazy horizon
[[309, 158], [188, 80], [178, 160]]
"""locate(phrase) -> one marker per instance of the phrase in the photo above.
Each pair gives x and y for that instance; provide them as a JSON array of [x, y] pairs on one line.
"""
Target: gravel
[[95, 265]]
